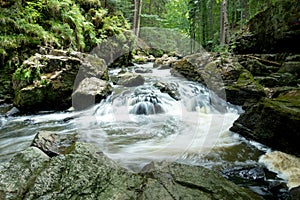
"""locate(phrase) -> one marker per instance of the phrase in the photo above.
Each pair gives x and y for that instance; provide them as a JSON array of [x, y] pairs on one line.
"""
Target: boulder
[[46, 82], [86, 173], [90, 92], [276, 29], [129, 79], [274, 122], [222, 74]]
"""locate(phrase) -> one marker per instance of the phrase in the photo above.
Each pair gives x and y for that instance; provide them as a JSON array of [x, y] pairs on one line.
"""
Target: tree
[[137, 17], [224, 23]]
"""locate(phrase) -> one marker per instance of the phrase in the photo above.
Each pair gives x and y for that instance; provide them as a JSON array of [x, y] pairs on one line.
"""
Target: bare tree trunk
[[137, 17], [211, 20], [221, 24], [224, 23]]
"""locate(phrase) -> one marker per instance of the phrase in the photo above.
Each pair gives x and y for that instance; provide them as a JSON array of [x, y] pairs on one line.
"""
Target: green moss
[[68, 24]]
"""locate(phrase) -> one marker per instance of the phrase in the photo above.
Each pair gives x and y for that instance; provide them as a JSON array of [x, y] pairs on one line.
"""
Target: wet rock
[[274, 122], [53, 144], [142, 70], [85, 173], [240, 175], [90, 92], [165, 62], [12, 112], [256, 178], [169, 88], [295, 193], [223, 75], [130, 79]]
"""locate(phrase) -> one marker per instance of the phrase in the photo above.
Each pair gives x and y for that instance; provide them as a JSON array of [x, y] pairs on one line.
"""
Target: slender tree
[[137, 17]]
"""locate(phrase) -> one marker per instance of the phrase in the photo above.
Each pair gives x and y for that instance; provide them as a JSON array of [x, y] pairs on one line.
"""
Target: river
[[137, 125]]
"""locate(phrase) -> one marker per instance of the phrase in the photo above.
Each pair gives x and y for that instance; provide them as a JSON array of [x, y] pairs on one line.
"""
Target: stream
[[137, 125]]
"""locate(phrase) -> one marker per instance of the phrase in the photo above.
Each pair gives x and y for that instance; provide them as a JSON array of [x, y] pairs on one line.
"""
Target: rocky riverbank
[[80, 171]]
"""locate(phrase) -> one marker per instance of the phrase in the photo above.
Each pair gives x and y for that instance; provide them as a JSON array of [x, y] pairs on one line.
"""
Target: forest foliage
[[83, 24]]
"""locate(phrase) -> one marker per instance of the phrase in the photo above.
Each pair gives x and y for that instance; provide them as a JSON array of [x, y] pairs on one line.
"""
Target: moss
[[67, 24]]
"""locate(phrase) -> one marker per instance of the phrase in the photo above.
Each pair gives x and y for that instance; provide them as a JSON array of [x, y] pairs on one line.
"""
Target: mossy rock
[[274, 122], [86, 173]]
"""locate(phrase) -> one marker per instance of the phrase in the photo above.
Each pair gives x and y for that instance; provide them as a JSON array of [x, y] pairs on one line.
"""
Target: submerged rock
[[85, 173], [274, 122]]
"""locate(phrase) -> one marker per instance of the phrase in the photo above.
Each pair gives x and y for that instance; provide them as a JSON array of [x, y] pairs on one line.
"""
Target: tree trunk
[[246, 7], [137, 17], [211, 20], [221, 24], [224, 23]]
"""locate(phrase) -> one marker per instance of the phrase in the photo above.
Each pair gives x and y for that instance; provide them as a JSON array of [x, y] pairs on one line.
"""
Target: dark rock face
[[84, 173], [90, 92], [275, 30], [274, 122]]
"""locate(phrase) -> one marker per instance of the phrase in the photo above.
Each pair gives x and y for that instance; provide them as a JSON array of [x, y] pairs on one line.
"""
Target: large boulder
[[274, 122], [276, 29], [89, 92], [222, 74], [85, 173], [46, 82]]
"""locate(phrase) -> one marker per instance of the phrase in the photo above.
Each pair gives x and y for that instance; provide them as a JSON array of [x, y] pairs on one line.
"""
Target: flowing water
[[137, 125]]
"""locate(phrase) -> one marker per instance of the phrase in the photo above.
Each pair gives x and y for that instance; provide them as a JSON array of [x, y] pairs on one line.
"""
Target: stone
[[51, 79], [263, 34], [165, 62], [273, 122], [223, 75], [129, 79], [90, 92], [86, 173], [169, 88], [53, 144]]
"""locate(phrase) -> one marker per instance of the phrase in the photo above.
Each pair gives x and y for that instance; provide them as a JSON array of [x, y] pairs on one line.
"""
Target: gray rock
[[53, 144], [85, 173], [89, 92], [130, 79]]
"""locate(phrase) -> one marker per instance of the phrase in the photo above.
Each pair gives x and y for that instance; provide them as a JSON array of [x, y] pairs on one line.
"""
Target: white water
[[190, 130]]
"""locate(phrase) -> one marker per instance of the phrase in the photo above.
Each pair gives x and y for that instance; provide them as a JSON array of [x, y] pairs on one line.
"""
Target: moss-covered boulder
[[274, 122], [276, 29], [85, 173], [46, 82], [222, 74]]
